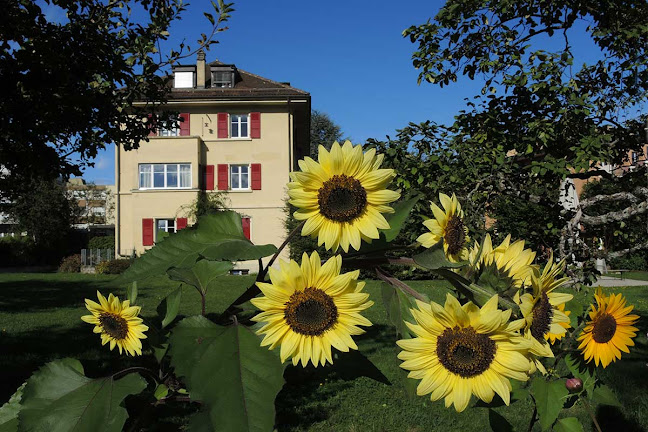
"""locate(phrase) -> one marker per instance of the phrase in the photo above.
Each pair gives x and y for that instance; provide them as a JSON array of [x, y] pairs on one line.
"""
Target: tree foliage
[[539, 118], [323, 131], [71, 85]]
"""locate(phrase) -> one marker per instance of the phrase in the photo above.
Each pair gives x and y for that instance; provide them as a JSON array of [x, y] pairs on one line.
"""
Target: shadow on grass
[[311, 394]]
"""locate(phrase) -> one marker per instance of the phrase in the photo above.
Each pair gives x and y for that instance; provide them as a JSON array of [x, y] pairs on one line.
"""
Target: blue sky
[[349, 55]]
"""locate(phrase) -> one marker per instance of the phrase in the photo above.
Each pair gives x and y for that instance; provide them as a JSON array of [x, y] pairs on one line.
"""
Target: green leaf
[[131, 293], [60, 398], [217, 237], [9, 411], [549, 397], [202, 275], [169, 306], [226, 368], [569, 424], [498, 423], [434, 258], [397, 305], [604, 395], [580, 369], [475, 293], [161, 391]]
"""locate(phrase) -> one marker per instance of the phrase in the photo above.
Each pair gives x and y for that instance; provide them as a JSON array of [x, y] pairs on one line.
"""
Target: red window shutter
[[184, 124], [255, 129], [151, 125], [246, 227], [147, 232], [181, 223], [223, 125], [209, 177], [256, 176], [223, 174]]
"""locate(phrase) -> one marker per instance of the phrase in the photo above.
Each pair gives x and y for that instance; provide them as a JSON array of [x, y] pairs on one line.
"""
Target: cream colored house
[[239, 133]]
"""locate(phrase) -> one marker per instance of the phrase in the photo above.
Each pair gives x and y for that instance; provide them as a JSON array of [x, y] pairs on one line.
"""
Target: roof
[[248, 85]]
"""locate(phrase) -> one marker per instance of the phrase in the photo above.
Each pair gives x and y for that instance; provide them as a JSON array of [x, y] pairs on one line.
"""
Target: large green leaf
[[217, 237], [168, 307], [202, 275], [582, 370], [397, 305], [60, 398], [549, 398], [9, 412], [569, 424], [604, 395], [434, 258], [226, 368], [497, 422]]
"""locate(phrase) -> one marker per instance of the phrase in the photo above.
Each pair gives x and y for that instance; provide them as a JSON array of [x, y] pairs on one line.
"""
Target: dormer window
[[184, 77], [222, 76]]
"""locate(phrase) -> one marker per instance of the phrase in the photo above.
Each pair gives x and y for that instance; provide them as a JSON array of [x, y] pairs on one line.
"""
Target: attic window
[[183, 80], [223, 78]]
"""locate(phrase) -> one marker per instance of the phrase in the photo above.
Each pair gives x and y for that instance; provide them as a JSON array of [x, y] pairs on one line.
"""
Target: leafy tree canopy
[[323, 131], [70, 86]]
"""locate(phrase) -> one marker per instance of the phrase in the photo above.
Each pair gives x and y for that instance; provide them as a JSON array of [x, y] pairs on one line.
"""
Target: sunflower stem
[[137, 369], [297, 229], [395, 282], [591, 413]]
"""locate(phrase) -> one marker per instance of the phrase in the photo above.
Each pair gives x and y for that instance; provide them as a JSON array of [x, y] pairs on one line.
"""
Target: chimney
[[201, 70]]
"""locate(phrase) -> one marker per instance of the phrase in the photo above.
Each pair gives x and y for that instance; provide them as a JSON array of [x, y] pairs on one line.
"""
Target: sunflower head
[[504, 268], [309, 308], [461, 351], [342, 196], [447, 226], [117, 322], [609, 330]]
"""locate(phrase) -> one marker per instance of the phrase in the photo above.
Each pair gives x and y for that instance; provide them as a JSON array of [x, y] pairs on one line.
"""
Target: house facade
[[240, 134]]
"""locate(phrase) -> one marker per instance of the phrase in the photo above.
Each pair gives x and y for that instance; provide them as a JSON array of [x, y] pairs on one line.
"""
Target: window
[[635, 157], [169, 132], [183, 79], [222, 79], [239, 177], [164, 227], [239, 126], [164, 176]]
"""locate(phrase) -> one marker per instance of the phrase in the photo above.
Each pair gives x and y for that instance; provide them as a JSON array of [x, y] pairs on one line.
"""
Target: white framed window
[[239, 125], [169, 132], [240, 177], [164, 227], [183, 79], [635, 157], [164, 176]]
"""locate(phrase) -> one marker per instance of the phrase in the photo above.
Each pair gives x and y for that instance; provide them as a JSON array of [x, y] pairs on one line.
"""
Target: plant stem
[[591, 413], [126, 371], [202, 302], [395, 282], [261, 275]]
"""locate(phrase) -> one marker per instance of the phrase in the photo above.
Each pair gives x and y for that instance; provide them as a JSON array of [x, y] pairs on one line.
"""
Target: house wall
[[265, 207]]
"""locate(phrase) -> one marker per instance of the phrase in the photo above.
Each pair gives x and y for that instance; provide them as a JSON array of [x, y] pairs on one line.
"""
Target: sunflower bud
[[574, 385]]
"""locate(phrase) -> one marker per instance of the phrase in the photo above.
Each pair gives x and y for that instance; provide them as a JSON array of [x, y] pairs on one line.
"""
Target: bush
[[71, 264], [17, 251], [630, 262], [102, 242], [116, 266]]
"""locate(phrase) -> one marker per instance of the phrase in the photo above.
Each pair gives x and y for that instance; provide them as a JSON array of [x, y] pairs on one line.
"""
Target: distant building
[[96, 210], [239, 133]]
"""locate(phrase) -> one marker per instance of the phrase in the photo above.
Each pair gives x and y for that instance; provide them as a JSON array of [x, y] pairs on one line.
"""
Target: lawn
[[39, 321], [636, 275]]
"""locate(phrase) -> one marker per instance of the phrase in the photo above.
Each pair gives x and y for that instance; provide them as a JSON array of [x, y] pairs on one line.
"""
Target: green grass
[[636, 275], [39, 321]]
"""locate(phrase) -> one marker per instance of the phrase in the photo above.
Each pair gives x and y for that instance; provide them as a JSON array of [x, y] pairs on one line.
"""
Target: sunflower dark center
[[604, 328], [465, 352], [114, 325], [542, 314], [455, 235], [342, 198], [310, 312]]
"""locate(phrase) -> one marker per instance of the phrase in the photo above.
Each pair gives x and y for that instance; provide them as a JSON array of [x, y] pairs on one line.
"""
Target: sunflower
[[310, 308], [553, 337], [460, 350], [342, 196], [447, 226], [512, 260], [542, 310], [609, 331], [117, 322]]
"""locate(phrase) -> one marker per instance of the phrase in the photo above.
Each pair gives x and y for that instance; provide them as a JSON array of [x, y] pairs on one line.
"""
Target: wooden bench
[[621, 272]]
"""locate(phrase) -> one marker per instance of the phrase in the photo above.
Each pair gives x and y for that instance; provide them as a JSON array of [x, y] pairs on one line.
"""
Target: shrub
[[71, 264], [17, 251], [102, 242], [116, 266], [630, 262]]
